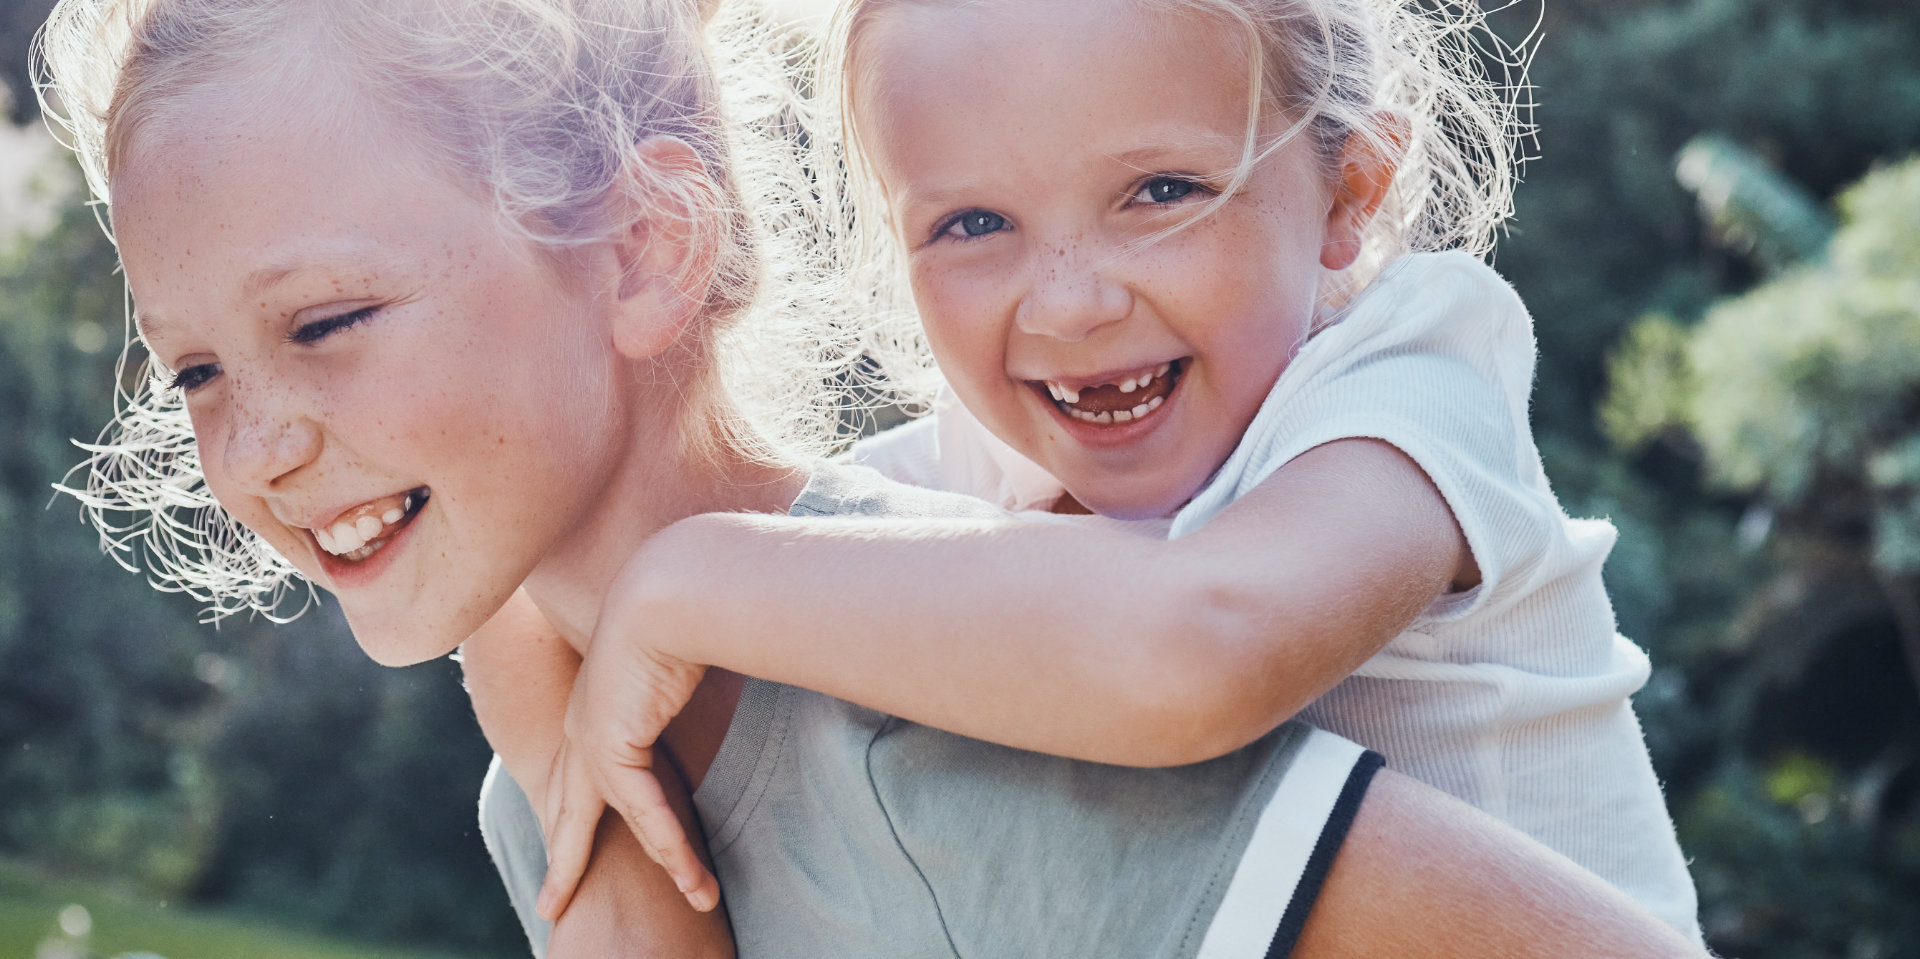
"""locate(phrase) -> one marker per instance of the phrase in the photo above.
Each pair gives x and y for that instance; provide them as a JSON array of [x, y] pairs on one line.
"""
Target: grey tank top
[[839, 831]]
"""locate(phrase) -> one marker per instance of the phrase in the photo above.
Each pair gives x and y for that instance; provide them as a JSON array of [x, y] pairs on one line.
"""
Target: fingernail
[[544, 904]]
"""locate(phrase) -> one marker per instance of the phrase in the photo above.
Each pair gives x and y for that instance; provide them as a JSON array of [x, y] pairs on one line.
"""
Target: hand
[[622, 700], [625, 909]]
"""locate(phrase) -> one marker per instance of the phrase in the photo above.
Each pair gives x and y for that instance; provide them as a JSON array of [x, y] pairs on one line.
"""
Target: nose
[[1071, 293], [268, 436]]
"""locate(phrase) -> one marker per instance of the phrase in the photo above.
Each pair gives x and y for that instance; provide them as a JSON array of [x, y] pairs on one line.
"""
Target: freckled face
[[1030, 153], [372, 367]]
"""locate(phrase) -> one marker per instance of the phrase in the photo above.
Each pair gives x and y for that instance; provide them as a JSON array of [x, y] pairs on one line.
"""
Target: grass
[[30, 903]]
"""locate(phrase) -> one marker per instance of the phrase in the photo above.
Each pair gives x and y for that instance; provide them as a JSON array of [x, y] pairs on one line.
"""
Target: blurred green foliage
[[1764, 485], [1804, 389], [1802, 395], [1783, 712]]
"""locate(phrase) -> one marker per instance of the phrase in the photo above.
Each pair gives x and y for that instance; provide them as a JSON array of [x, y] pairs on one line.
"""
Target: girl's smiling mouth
[[362, 531], [1127, 398]]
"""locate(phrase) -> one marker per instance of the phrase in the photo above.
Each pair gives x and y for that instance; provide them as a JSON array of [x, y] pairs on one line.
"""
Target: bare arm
[[519, 674], [1075, 641], [1422, 874]]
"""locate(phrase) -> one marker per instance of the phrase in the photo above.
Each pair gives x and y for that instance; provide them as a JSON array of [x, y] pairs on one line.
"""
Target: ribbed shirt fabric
[[1513, 695]]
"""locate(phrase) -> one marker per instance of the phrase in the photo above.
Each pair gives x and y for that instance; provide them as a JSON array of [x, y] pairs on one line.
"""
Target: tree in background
[[1773, 746], [1803, 397]]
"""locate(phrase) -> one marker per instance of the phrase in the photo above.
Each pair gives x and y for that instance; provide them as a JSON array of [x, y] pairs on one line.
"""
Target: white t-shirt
[[1512, 695]]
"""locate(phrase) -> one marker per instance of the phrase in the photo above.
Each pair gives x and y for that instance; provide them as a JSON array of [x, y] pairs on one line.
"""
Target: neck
[[663, 481]]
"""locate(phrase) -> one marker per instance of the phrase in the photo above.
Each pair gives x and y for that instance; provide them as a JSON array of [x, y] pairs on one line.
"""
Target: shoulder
[[1453, 295]]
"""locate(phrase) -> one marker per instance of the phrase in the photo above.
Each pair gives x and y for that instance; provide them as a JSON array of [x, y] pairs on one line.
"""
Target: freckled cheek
[[966, 324]]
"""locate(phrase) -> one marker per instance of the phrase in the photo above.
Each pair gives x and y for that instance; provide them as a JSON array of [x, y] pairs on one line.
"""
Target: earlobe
[[1367, 166], [667, 252]]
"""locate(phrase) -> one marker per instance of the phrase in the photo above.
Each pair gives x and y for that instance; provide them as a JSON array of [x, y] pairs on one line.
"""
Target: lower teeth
[[1115, 416]]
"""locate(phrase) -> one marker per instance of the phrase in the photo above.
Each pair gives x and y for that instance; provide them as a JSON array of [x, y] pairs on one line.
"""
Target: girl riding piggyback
[[1207, 269]]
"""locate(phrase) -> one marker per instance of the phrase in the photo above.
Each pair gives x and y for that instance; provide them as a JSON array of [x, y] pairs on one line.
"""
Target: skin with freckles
[[358, 358], [1036, 210]]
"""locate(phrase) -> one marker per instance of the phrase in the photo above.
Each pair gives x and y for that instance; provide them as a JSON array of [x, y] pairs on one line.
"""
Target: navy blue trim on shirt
[[1308, 891]]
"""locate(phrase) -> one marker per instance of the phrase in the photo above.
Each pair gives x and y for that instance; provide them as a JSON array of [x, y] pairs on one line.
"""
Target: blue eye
[[974, 223], [314, 332], [1165, 189], [194, 377]]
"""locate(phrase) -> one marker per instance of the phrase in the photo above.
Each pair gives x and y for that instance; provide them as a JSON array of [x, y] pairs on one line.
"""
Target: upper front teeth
[[1067, 394], [347, 535]]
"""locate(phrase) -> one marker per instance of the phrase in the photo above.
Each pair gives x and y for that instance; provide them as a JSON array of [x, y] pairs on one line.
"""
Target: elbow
[[1206, 689]]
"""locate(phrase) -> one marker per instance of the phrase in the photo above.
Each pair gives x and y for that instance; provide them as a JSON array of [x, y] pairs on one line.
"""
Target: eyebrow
[[351, 257], [1158, 146], [266, 278]]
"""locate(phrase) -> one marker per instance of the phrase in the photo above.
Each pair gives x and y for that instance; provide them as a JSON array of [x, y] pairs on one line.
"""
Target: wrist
[[664, 587]]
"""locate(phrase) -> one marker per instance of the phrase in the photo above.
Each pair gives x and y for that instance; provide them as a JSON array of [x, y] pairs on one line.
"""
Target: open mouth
[[361, 531], [1135, 396]]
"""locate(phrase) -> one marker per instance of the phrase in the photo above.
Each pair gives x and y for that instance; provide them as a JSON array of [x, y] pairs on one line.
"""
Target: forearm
[[1070, 640], [519, 675], [938, 622]]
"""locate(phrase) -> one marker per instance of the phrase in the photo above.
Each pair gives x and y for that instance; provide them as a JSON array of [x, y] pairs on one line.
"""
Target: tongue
[[1108, 398]]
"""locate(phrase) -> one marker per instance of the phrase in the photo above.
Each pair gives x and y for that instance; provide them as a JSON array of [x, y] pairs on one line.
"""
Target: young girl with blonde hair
[[1203, 266], [452, 305]]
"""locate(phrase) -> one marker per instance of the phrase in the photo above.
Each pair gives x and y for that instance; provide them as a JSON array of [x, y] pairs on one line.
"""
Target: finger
[[705, 894], [570, 843], [637, 794]]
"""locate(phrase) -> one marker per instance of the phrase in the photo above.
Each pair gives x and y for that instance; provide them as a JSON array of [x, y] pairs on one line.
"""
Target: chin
[[1145, 505], [403, 646]]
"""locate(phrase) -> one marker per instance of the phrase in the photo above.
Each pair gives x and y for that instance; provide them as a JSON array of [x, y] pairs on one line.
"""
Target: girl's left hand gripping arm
[[520, 674], [624, 697]]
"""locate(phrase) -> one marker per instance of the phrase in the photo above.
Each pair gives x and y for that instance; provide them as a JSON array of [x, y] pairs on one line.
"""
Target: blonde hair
[[538, 104], [1410, 78]]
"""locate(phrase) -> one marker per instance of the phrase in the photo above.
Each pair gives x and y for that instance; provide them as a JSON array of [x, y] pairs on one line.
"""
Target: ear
[[668, 250], [1367, 165]]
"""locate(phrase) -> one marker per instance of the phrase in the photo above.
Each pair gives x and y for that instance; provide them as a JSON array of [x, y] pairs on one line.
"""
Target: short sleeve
[[1436, 358]]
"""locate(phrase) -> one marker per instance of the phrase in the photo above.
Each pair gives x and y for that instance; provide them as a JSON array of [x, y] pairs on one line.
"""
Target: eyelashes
[[969, 224], [192, 378], [313, 332], [1163, 190], [1160, 190]]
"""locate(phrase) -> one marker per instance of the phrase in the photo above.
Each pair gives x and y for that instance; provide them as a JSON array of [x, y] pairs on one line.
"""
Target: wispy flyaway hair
[[534, 104]]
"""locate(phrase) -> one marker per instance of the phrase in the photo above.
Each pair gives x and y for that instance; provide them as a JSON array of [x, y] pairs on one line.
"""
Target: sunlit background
[[1720, 242]]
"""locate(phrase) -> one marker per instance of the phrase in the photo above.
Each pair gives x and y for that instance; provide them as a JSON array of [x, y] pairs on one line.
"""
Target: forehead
[[212, 199], [1004, 69]]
